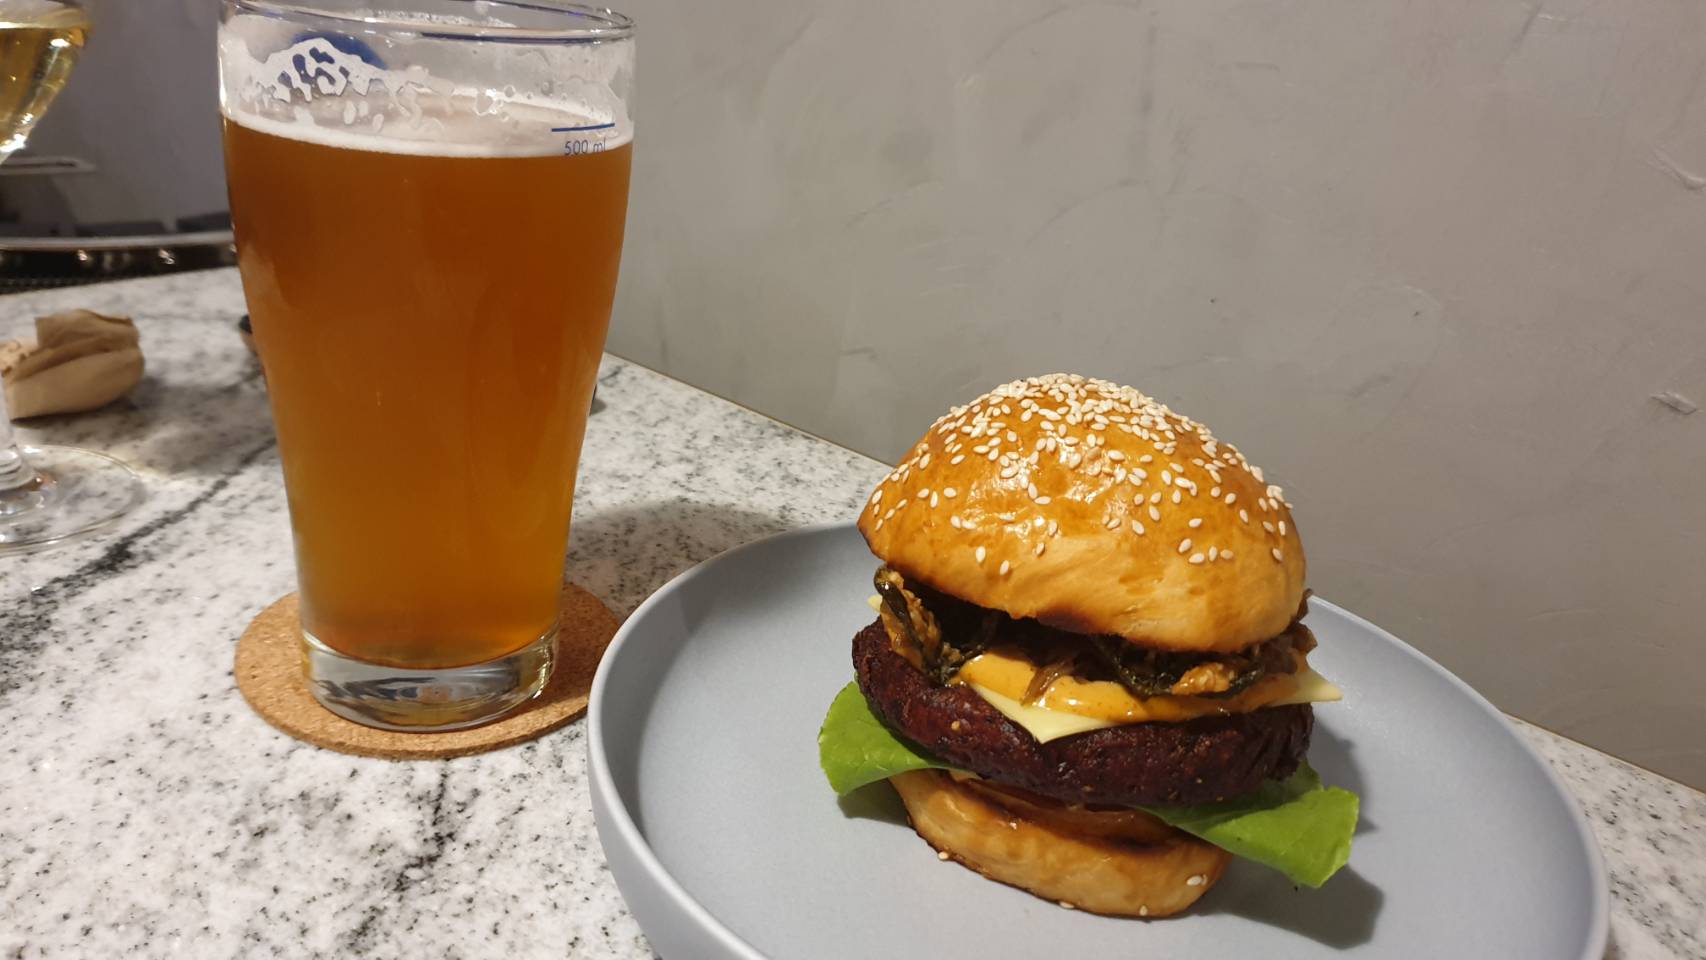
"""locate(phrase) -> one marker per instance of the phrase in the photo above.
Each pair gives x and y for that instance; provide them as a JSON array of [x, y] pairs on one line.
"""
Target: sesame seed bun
[[1093, 508], [1120, 863]]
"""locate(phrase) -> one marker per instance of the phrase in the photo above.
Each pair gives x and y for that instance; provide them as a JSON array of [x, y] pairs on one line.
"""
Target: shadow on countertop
[[624, 553]]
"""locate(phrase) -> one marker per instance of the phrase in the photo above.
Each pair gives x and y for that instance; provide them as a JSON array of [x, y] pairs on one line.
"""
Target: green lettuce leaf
[[1296, 826], [854, 748]]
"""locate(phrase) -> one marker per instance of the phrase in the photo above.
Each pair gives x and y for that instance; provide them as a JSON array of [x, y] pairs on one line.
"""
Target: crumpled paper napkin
[[80, 360]]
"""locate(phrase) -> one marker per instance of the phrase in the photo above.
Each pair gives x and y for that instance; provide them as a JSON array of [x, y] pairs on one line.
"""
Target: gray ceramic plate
[[727, 842]]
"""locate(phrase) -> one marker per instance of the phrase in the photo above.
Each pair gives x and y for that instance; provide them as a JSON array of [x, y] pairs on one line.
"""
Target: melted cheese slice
[[1042, 723], [1072, 706]]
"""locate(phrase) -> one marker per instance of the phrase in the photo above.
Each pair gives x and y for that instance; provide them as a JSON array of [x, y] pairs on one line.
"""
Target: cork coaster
[[270, 675]]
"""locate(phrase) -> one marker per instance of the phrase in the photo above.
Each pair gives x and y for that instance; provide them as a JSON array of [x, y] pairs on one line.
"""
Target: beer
[[428, 202], [40, 41], [430, 327]]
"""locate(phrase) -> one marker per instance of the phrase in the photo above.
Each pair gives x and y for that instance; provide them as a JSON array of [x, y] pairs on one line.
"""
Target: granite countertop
[[146, 811]]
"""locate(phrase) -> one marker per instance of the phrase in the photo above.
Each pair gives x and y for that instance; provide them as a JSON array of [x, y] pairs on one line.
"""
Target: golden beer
[[428, 201], [430, 328]]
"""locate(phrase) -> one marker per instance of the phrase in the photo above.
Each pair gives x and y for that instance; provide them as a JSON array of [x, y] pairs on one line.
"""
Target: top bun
[[1095, 509]]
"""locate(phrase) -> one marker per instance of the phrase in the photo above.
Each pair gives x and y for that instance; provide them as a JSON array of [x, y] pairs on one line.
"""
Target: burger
[[1089, 672]]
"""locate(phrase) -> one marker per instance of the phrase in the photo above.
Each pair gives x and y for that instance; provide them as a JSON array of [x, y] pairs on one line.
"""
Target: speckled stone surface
[[146, 811]]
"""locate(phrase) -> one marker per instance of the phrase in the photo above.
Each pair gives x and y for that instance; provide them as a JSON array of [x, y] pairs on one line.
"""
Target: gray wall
[[143, 106], [1428, 263]]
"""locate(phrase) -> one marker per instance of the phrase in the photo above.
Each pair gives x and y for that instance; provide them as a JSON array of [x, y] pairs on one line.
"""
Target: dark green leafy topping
[[971, 628], [946, 631]]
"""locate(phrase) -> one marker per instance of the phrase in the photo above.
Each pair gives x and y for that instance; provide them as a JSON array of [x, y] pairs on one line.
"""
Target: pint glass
[[428, 198]]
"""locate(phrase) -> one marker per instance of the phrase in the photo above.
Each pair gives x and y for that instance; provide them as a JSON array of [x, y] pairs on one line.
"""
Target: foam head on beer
[[429, 232], [525, 100]]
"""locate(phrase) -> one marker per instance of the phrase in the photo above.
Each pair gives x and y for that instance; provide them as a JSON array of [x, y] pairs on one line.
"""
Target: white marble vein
[[145, 811]]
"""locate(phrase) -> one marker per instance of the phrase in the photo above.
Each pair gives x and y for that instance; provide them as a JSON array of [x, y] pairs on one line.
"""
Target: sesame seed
[[957, 458], [924, 461], [1213, 552], [1005, 568], [923, 492], [954, 521], [1143, 910], [1282, 528], [934, 500], [1137, 528], [1068, 906], [981, 553], [1226, 554], [955, 725], [1009, 473], [1176, 496], [1166, 478], [902, 504], [1115, 456], [1231, 499], [1278, 555], [1196, 880], [1040, 548], [877, 496], [950, 492], [1196, 558], [1182, 482], [1112, 523], [1244, 515], [943, 854], [1195, 523], [1215, 492], [1154, 513], [1140, 473], [1146, 458], [1185, 545], [879, 525], [1044, 501], [1031, 489]]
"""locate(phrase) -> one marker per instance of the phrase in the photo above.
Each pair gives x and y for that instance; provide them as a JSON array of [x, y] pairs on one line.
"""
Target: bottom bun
[[1119, 862]]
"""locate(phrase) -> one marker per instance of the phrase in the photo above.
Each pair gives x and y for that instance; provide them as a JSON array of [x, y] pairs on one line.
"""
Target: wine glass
[[48, 493]]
